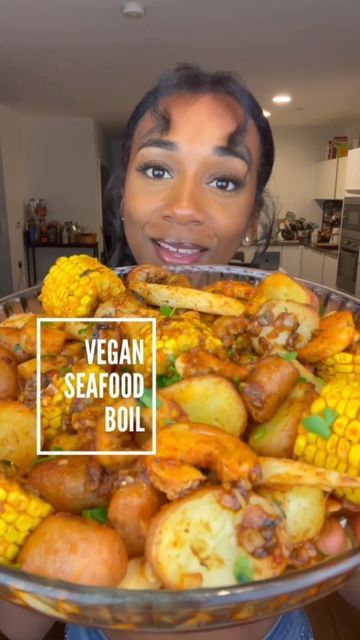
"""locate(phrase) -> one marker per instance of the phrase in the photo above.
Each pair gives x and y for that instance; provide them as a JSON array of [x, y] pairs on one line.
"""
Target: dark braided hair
[[191, 79]]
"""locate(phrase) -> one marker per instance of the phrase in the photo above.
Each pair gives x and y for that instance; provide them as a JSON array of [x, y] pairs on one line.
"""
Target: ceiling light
[[133, 9], [266, 113], [281, 99]]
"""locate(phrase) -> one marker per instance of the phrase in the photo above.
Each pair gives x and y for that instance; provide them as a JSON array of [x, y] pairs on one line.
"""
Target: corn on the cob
[[75, 286], [330, 436], [20, 513], [173, 337], [55, 406], [341, 365]]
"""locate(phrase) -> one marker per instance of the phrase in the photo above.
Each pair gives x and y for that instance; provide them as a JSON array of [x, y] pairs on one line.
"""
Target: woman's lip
[[181, 253]]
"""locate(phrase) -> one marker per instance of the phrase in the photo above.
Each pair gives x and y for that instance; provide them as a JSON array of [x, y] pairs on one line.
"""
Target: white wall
[[62, 167], [292, 184], [53, 158], [12, 146], [297, 149]]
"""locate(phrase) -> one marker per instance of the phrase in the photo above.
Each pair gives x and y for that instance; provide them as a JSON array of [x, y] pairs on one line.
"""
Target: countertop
[[329, 252]]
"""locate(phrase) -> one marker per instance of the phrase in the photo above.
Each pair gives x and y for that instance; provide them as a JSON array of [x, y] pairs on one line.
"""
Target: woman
[[197, 155]]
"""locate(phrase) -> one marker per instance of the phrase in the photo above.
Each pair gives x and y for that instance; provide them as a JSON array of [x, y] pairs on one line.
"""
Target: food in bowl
[[254, 450]]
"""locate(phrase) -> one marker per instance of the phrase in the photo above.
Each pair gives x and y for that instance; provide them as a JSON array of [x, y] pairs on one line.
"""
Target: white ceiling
[[82, 57]]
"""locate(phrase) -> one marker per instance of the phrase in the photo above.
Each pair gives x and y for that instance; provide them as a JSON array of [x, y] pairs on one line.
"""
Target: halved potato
[[279, 286], [17, 434], [139, 575], [195, 541], [210, 400], [8, 375], [17, 320], [304, 509], [28, 369], [276, 437], [272, 326]]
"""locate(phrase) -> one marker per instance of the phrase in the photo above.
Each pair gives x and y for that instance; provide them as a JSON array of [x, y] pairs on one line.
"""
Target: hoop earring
[[246, 241]]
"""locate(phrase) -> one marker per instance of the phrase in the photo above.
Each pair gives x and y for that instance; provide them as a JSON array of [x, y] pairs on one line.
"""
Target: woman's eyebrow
[[240, 151], [159, 144], [236, 146]]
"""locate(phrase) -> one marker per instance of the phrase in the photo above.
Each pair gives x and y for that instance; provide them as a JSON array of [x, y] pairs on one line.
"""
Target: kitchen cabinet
[[312, 263], [352, 177], [330, 271], [340, 178], [291, 260], [325, 179]]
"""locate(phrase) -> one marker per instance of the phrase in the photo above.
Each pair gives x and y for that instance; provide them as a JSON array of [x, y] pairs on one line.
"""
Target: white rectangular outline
[[38, 389]]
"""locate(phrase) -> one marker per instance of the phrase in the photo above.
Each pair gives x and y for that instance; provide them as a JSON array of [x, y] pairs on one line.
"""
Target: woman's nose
[[184, 205]]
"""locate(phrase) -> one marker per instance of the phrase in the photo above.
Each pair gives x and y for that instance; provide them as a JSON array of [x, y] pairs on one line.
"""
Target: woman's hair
[[191, 79]]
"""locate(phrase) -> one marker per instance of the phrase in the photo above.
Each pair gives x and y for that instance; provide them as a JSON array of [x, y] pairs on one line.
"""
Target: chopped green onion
[[317, 424], [167, 422], [259, 433], [146, 400], [288, 355], [166, 381], [321, 310], [302, 379], [166, 311], [242, 571], [278, 504], [99, 515], [17, 347]]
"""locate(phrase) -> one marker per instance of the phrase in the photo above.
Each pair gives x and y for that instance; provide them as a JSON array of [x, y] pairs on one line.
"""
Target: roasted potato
[[304, 510], [276, 437], [130, 512], [10, 340], [283, 324], [17, 434], [139, 575], [8, 375], [28, 369], [17, 320], [210, 400], [75, 549], [52, 339], [71, 483], [279, 286], [202, 540]]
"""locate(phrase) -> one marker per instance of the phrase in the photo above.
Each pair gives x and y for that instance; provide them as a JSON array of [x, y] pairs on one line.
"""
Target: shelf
[[30, 252], [55, 245]]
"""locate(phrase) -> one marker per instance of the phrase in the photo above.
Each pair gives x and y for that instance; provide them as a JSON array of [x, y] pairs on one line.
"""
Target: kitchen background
[[70, 75]]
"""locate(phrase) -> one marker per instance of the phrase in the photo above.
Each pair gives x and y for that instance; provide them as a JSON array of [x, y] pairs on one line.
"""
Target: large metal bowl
[[181, 610]]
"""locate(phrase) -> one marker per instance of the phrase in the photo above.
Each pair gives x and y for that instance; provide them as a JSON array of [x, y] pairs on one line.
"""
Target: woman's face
[[190, 190]]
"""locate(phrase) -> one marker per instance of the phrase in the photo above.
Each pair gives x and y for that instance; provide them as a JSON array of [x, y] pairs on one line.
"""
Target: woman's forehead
[[214, 115]]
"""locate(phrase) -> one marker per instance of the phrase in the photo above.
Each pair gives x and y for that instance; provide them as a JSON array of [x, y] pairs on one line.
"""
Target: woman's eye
[[155, 172], [226, 184]]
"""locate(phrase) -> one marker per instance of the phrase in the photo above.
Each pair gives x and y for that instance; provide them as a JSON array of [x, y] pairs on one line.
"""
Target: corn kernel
[[354, 456], [352, 409], [331, 462], [319, 458], [309, 453], [318, 406]]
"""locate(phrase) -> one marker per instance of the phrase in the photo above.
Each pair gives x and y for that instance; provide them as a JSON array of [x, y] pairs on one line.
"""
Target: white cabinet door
[[290, 260], [325, 179], [330, 271], [352, 178], [312, 265], [340, 178]]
